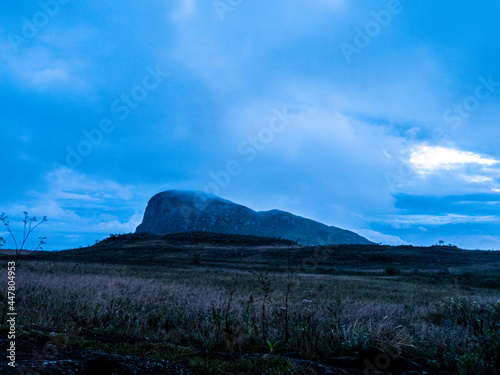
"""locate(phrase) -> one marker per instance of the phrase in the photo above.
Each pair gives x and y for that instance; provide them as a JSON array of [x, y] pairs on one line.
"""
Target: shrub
[[392, 271]]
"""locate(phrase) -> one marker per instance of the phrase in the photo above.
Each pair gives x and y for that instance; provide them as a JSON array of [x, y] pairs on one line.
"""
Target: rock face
[[176, 211]]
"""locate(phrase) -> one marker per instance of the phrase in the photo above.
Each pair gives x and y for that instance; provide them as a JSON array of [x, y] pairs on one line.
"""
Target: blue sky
[[380, 117]]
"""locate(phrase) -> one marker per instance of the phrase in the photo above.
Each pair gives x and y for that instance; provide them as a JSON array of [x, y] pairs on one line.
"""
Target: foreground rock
[[48, 359], [52, 359], [177, 211]]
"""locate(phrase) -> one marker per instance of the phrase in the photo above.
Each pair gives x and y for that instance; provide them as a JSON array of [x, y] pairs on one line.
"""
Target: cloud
[[41, 69], [186, 9], [331, 4], [378, 237], [47, 76], [77, 204], [357, 122], [66, 183], [406, 221], [429, 159]]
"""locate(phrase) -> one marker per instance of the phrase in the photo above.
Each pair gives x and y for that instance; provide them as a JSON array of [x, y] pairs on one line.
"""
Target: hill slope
[[176, 211]]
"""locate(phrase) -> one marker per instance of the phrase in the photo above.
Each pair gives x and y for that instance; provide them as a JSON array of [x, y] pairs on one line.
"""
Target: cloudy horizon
[[379, 118]]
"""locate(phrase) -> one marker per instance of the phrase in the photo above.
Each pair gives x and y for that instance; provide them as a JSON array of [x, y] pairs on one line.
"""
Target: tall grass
[[317, 316]]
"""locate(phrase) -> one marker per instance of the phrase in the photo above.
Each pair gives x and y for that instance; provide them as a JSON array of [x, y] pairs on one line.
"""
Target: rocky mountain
[[176, 211]]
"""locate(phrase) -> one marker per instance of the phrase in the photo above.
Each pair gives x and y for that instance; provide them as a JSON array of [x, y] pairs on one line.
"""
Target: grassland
[[197, 300]]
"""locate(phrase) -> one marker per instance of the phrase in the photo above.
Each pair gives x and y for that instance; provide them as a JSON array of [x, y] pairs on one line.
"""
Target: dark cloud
[[88, 86]]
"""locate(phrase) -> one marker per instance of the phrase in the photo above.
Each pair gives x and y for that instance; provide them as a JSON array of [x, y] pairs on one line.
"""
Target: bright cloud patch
[[378, 237], [427, 159]]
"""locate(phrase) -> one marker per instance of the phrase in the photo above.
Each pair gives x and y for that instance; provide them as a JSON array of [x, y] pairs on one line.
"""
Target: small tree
[[30, 224]]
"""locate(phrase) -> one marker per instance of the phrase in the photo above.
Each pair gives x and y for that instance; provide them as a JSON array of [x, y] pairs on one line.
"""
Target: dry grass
[[321, 316]]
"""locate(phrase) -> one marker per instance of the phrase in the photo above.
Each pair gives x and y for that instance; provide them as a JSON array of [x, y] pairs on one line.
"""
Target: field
[[212, 304]]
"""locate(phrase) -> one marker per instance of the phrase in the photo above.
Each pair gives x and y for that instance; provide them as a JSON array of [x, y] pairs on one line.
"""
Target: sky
[[379, 117]]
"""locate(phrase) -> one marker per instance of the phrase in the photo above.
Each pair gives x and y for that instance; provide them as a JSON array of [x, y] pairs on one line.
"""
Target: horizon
[[209, 195], [377, 118], [13, 251]]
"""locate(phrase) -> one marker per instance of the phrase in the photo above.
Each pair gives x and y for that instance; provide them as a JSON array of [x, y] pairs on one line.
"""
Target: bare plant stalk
[[30, 224], [228, 307], [266, 289], [288, 287]]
